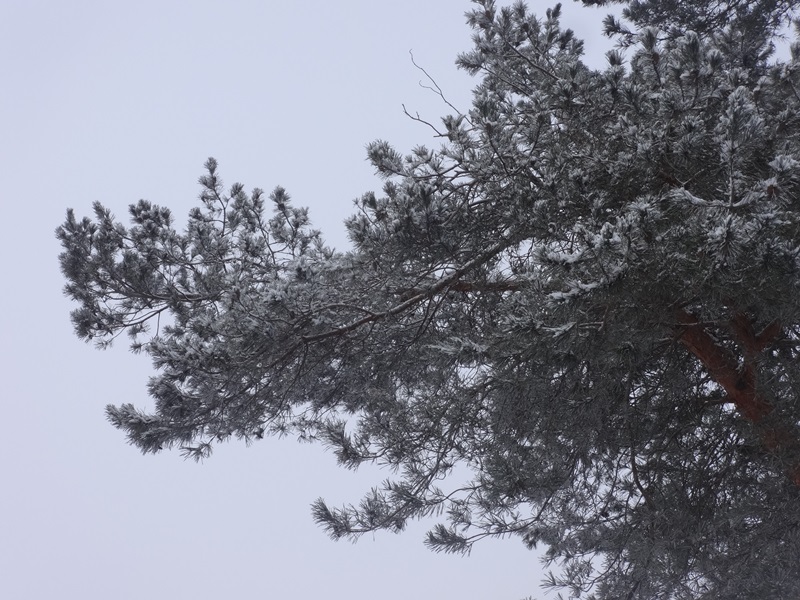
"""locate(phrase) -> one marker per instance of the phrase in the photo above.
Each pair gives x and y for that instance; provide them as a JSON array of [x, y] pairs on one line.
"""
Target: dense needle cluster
[[586, 299]]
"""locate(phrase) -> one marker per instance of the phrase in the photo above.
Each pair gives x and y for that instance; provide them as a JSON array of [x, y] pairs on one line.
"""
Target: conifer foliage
[[586, 298]]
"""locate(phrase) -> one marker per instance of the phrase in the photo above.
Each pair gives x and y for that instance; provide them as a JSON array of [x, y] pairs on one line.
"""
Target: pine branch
[[740, 381]]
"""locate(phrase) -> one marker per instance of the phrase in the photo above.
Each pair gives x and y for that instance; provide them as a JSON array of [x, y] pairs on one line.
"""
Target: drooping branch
[[415, 296], [464, 286]]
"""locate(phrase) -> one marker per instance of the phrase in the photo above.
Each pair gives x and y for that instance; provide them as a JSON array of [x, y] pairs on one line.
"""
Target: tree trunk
[[739, 379]]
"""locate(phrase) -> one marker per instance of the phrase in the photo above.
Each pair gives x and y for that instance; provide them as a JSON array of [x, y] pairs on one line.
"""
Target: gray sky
[[116, 101]]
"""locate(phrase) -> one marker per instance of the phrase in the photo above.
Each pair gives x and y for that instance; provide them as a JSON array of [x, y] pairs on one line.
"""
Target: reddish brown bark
[[737, 377], [739, 380]]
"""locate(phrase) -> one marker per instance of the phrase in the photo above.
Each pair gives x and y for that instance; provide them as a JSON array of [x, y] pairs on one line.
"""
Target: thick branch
[[753, 343], [739, 381]]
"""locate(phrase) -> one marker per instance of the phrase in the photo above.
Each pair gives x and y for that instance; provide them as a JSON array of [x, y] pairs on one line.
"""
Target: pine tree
[[587, 296]]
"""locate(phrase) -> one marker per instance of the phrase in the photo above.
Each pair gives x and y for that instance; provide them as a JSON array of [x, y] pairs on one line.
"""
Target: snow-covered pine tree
[[588, 296]]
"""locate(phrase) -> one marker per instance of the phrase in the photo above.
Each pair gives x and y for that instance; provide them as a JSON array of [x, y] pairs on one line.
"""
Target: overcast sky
[[117, 101]]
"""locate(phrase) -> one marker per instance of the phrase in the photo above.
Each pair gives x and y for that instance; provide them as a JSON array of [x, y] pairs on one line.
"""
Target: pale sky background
[[117, 101]]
